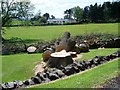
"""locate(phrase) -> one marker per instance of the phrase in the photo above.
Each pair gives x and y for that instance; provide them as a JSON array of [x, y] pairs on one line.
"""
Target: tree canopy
[[106, 12], [11, 9]]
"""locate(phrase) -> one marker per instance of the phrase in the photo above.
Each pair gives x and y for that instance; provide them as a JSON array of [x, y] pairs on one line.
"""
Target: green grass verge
[[97, 52], [87, 79], [53, 32], [19, 66]]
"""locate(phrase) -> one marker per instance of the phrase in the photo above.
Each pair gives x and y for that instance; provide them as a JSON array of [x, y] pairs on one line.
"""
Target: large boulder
[[31, 49], [66, 35], [83, 47]]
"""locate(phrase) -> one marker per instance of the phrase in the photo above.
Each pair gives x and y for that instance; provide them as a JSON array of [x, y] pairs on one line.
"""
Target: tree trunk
[[59, 61]]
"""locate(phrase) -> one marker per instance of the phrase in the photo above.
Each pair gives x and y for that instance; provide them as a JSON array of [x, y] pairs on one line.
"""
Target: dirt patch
[[39, 67]]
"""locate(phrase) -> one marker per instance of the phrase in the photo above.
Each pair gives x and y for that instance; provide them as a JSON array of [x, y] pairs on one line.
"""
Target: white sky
[[57, 7]]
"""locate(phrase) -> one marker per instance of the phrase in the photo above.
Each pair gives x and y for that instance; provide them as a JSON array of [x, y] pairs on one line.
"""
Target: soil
[[112, 83], [39, 67]]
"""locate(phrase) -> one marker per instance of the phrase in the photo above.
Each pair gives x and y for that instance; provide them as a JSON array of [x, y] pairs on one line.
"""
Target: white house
[[60, 21]]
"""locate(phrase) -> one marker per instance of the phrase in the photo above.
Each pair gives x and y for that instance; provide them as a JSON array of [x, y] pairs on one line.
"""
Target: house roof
[[59, 19]]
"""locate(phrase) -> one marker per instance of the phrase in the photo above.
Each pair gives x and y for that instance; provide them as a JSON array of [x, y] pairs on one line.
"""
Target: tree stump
[[58, 59]]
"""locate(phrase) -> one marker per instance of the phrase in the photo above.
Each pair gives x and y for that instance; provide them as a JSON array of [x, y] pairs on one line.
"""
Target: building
[[60, 21]]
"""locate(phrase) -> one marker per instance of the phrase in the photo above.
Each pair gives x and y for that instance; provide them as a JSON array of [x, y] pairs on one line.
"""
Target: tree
[[68, 14], [37, 16], [15, 9], [53, 17], [46, 15], [77, 13], [96, 13], [86, 13], [115, 10], [107, 11]]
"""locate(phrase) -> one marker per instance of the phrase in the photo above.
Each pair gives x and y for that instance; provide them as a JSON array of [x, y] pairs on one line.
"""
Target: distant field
[[20, 66], [51, 32]]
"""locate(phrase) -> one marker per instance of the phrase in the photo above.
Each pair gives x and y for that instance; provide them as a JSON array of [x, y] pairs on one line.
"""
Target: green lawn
[[53, 32], [20, 66], [98, 52], [86, 79]]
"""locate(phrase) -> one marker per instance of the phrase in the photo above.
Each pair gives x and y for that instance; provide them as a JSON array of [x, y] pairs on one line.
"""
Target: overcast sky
[[57, 7]]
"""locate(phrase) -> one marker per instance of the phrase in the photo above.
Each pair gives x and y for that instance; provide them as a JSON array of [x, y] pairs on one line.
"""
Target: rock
[[45, 75], [36, 80], [71, 44], [88, 64], [18, 83], [59, 73], [69, 70], [116, 54], [31, 49], [98, 59], [31, 82], [81, 67], [65, 43], [76, 69], [83, 48], [93, 65], [84, 63], [1, 87], [41, 76], [4, 86], [110, 57], [10, 85], [46, 55], [47, 80], [66, 35], [26, 83], [53, 76]]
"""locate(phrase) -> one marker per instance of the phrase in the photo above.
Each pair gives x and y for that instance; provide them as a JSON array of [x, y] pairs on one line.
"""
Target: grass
[[52, 32], [98, 52], [87, 79], [20, 66]]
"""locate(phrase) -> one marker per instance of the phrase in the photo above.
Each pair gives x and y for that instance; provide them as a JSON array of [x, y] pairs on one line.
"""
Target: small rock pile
[[50, 74]]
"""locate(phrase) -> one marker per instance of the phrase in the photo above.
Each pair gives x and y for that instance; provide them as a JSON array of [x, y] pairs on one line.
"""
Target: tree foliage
[[68, 14], [46, 15], [106, 12], [77, 13], [11, 9]]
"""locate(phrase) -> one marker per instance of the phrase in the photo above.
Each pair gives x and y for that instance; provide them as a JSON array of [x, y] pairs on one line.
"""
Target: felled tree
[[58, 59]]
